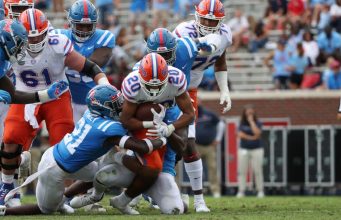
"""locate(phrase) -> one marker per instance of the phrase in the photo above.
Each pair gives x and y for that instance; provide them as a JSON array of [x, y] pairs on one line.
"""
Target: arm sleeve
[[220, 131], [340, 106]]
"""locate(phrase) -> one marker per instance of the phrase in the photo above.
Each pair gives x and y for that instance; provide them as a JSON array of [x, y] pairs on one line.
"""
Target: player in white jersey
[[209, 17], [46, 59]]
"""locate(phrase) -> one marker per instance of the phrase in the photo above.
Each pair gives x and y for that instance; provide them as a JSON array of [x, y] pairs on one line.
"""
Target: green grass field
[[271, 207]]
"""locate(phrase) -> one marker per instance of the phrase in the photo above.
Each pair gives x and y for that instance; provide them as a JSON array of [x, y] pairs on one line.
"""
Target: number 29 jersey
[[202, 62], [176, 85], [46, 67]]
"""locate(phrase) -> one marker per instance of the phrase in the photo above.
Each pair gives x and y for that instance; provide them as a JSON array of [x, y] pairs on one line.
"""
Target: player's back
[[176, 85], [81, 84], [42, 69], [87, 142]]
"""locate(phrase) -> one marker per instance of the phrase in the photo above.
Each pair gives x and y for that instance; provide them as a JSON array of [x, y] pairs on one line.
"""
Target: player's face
[[36, 40], [84, 27], [209, 22]]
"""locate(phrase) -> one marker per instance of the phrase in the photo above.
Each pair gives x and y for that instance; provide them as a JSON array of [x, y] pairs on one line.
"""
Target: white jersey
[[133, 92], [201, 62], [47, 67]]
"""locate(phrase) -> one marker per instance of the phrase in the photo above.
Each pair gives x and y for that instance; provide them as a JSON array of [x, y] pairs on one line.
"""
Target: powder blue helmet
[[162, 41], [2, 10], [82, 17], [13, 40], [105, 101]]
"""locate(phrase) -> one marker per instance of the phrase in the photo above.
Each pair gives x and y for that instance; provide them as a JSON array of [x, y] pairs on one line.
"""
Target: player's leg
[[3, 112], [166, 194], [193, 163], [59, 118], [18, 136], [243, 164], [257, 156]]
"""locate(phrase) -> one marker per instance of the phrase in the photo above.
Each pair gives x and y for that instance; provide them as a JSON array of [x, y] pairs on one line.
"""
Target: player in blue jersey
[[95, 134], [94, 44]]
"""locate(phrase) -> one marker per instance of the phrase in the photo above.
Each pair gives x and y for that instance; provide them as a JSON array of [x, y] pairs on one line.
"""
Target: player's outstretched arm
[[81, 64], [144, 146], [185, 105]]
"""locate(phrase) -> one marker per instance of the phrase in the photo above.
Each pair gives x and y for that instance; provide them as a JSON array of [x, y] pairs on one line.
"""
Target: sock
[[124, 199], [97, 194], [7, 178], [194, 172]]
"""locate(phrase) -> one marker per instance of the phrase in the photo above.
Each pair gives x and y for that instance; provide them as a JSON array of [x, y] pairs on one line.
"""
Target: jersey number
[[72, 141], [202, 60], [192, 34], [133, 83], [173, 77], [30, 78]]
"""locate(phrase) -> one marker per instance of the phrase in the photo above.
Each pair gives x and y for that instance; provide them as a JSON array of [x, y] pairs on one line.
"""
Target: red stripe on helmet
[[162, 42], [86, 10]]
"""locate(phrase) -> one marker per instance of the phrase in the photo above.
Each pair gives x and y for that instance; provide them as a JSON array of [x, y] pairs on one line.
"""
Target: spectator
[[161, 12], [325, 18], [250, 150], [278, 7], [280, 58], [209, 133], [310, 47], [296, 10], [318, 6], [239, 26], [335, 12], [333, 81], [58, 5], [138, 16], [329, 43], [295, 37], [298, 64], [259, 37], [106, 11]]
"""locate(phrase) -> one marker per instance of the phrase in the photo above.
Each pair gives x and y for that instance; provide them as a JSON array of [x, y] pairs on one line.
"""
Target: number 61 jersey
[[202, 62], [42, 69], [176, 85]]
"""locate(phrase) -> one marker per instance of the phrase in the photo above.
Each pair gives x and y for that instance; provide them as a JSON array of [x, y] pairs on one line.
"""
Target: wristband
[[103, 81], [123, 141], [148, 124], [171, 129], [164, 141], [43, 96], [150, 145]]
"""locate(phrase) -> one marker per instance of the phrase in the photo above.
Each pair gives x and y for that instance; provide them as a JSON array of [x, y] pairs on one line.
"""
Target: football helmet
[[153, 73], [2, 10], [13, 40], [82, 17], [211, 10], [13, 8], [105, 101], [162, 42], [36, 25]]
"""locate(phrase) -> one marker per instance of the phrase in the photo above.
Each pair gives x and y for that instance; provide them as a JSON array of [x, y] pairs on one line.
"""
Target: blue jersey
[[5, 65], [79, 84], [186, 52], [87, 142]]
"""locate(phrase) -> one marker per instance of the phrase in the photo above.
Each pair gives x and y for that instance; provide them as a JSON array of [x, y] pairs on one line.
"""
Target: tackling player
[[209, 17], [45, 61], [94, 44], [97, 132]]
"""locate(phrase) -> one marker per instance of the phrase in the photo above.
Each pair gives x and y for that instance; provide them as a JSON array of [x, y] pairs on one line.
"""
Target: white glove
[[225, 99], [161, 130], [158, 117]]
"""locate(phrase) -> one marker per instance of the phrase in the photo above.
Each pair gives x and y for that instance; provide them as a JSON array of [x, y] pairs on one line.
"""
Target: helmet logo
[[92, 98], [143, 71], [7, 27], [164, 72]]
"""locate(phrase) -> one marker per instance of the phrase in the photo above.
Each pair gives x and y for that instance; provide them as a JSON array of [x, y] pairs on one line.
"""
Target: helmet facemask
[[15, 9], [16, 54], [154, 88], [80, 35], [37, 47], [168, 54], [204, 29]]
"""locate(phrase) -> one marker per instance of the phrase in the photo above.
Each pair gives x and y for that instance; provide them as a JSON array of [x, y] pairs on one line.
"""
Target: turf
[[292, 208]]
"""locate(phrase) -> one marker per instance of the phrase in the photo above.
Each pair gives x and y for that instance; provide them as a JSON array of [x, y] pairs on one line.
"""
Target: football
[[144, 112]]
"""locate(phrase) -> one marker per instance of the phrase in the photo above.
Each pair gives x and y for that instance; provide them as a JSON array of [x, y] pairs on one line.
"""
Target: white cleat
[[66, 209], [25, 166], [200, 206], [240, 195], [2, 210], [135, 201], [84, 200], [13, 202], [260, 195], [125, 209], [185, 199]]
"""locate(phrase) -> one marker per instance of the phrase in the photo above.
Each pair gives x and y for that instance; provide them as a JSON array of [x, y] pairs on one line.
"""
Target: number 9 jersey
[[46, 67], [202, 62]]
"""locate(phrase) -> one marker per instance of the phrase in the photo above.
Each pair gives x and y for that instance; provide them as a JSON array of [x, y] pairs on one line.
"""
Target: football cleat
[[84, 200], [200, 206], [125, 209]]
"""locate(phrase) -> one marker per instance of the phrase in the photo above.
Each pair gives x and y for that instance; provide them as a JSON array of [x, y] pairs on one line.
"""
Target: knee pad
[[113, 175], [10, 155]]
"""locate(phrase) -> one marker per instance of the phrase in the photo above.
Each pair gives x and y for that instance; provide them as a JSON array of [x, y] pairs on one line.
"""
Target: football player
[[94, 44], [45, 61], [96, 133], [209, 17], [13, 8]]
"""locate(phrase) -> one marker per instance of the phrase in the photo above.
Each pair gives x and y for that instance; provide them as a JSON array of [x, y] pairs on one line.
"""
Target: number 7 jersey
[[46, 67], [201, 63]]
